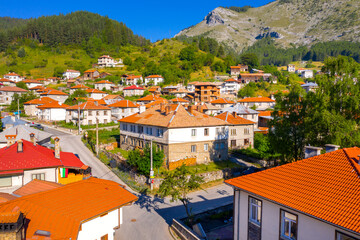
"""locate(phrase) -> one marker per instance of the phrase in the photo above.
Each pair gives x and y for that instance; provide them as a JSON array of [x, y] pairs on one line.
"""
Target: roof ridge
[[351, 162]]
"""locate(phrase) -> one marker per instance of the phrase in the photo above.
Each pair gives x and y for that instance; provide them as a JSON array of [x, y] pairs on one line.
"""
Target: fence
[[184, 232]]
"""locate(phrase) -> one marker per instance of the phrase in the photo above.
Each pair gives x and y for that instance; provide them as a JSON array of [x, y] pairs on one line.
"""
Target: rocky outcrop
[[213, 18]]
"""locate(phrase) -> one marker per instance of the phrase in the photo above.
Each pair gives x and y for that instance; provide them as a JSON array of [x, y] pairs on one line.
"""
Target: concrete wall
[[240, 136], [50, 174], [120, 113], [100, 226], [87, 119], [180, 135], [133, 92], [308, 228], [52, 114], [30, 110], [97, 96]]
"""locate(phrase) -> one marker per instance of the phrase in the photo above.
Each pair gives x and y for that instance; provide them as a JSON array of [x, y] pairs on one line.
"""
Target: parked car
[[250, 170], [37, 125]]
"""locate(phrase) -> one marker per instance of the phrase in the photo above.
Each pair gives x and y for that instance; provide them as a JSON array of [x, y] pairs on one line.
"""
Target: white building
[[307, 74], [71, 74], [89, 112], [53, 111], [104, 84], [260, 103], [191, 86], [291, 68], [30, 83], [55, 94], [13, 77], [107, 61], [96, 94], [301, 200], [133, 91], [133, 80], [7, 93], [124, 108], [230, 86], [154, 79]]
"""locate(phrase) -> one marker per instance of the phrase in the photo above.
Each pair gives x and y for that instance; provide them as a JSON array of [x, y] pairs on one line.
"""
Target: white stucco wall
[[308, 228], [50, 174], [180, 135], [100, 226]]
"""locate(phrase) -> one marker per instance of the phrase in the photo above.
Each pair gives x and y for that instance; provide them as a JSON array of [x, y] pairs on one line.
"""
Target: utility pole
[[79, 119], [151, 166], [97, 138], [18, 109]]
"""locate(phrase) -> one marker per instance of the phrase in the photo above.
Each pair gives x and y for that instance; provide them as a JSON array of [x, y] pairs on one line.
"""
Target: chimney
[[167, 110], [331, 147], [191, 109], [32, 138], [312, 151], [162, 107], [10, 139], [199, 108], [57, 148], [234, 114], [19, 146]]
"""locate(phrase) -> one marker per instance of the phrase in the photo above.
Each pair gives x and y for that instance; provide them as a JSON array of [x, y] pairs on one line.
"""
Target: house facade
[[260, 103], [53, 111], [7, 82], [96, 94], [242, 111], [57, 95], [107, 61], [77, 87], [133, 80], [291, 68], [301, 200], [206, 92], [30, 83], [123, 109], [231, 86], [90, 74], [70, 74], [7, 93], [222, 103], [236, 70], [181, 133], [30, 107], [13, 77], [104, 84], [90, 111], [154, 80]]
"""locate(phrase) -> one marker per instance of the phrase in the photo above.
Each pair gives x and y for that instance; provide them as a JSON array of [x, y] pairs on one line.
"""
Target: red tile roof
[[154, 76], [156, 103], [53, 92], [222, 101], [124, 104], [9, 216], [36, 186], [39, 101], [12, 74], [256, 99], [133, 77], [94, 91], [6, 80], [106, 56], [150, 98], [110, 96], [231, 80], [104, 81], [175, 100], [34, 157], [236, 120], [61, 211], [325, 186], [54, 104], [31, 81], [89, 105], [265, 113], [4, 197], [70, 70], [12, 89], [79, 86], [90, 71], [133, 87]]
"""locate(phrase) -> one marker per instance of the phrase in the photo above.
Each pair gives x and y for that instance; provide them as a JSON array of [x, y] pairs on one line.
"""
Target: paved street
[[149, 217]]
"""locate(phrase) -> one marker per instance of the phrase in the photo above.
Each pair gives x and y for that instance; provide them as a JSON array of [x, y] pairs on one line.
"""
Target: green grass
[[84, 127], [123, 152]]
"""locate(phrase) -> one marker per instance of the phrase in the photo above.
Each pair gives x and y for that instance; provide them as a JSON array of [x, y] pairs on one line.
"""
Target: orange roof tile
[[265, 113], [11, 74], [12, 89], [39, 101], [53, 92], [150, 98], [88, 106], [110, 96], [222, 101], [177, 117], [154, 76], [32, 81], [175, 100], [124, 104], [89, 71], [36, 186], [325, 186], [133, 77], [4, 197], [6, 80], [156, 103], [54, 104], [10, 216], [79, 86], [61, 211], [94, 91], [237, 120], [256, 99], [231, 80], [104, 81]]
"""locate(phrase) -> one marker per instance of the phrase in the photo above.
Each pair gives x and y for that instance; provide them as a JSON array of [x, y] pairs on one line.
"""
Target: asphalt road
[[148, 218]]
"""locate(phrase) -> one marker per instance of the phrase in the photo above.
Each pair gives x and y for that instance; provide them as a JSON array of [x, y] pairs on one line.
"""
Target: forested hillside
[[73, 28]]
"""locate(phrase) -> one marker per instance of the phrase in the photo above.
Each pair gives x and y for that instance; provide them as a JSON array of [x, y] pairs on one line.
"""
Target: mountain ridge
[[289, 22]]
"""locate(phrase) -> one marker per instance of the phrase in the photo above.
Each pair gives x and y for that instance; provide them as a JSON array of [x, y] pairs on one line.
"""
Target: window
[[193, 148], [40, 176], [288, 225], [90, 113], [5, 181], [246, 141], [159, 132], [97, 113], [89, 122], [342, 236], [193, 132], [206, 132], [255, 211], [105, 121], [246, 131], [206, 147], [223, 130], [233, 132], [233, 143], [105, 113], [123, 110], [124, 127]]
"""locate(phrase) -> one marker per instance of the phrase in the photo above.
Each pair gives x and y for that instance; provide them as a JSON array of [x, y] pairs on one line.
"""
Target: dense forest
[[73, 28], [8, 22], [269, 53]]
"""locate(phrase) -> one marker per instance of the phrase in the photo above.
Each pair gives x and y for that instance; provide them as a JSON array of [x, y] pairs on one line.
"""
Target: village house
[[13, 77], [191, 86], [241, 130], [155, 90], [179, 93], [11, 121], [23, 161], [88, 209], [30, 83], [179, 101], [90, 74], [70, 74], [149, 98], [7, 82], [236, 70], [208, 108], [123, 109], [110, 99], [96, 94], [264, 118], [133, 91], [51, 80], [181, 133], [52, 111], [206, 92], [291, 68], [153, 80], [133, 80], [169, 89], [104, 74], [104, 84], [310, 86], [314, 198], [89, 112], [77, 87], [55, 94], [222, 103], [24, 132], [242, 111], [107, 61], [30, 107], [73, 82], [246, 78], [7, 93], [231, 86], [260, 103]]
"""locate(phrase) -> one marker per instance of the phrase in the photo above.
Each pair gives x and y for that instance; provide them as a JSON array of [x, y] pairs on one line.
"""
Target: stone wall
[[186, 161]]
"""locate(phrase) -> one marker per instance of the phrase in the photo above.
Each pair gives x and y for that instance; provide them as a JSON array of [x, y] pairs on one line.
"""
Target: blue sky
[[153, 19]]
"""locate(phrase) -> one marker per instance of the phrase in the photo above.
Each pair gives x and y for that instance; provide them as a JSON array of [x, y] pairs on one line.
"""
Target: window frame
[[193, 132], [346, 235], [281, 236], [206, 147], [191, 148], [250, 211], [206, 131], [38, 174]]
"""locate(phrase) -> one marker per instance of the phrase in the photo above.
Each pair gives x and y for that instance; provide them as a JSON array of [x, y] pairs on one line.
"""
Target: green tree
[[250, 59], [22, 99], [22, 85], [248, 91], [141, 159], [178, 184], [58, 71], [21, 53], [76, 97]]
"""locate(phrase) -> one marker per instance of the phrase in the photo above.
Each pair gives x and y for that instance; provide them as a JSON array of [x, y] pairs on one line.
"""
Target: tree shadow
[[148, 202]]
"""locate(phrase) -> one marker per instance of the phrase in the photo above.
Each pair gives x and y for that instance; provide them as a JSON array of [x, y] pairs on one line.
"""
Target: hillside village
[[211, 135]]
